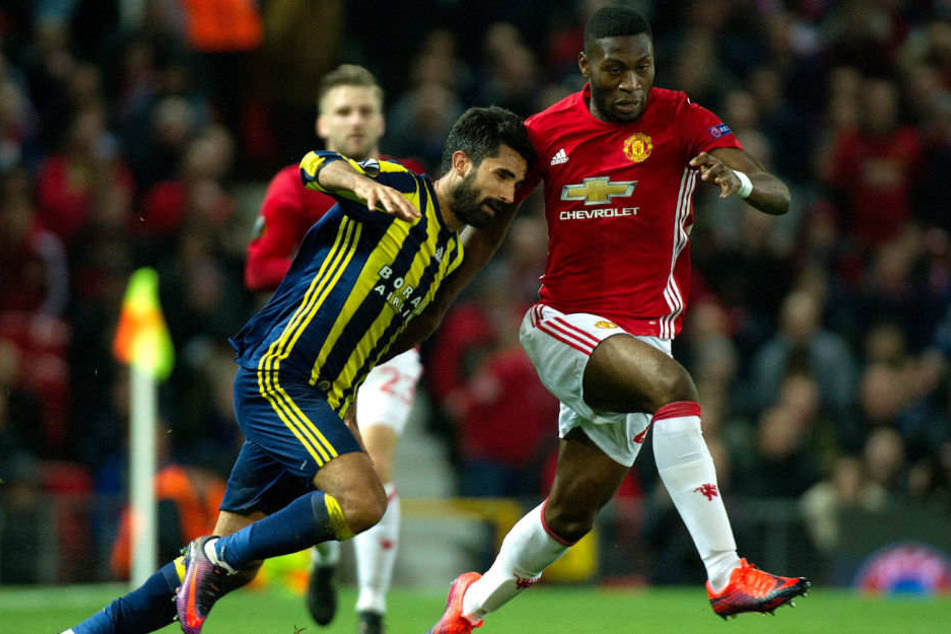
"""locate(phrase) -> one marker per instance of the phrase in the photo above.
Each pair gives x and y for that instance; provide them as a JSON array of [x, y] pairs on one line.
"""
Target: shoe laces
[[752, 580], [210, 591]]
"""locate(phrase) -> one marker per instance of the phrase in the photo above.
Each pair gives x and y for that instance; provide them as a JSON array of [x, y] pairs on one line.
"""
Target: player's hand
[[380, 197], [716, 172]]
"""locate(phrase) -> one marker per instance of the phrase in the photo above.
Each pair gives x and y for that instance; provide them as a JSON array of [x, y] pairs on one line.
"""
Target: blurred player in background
[[350, 121], [620, 160]]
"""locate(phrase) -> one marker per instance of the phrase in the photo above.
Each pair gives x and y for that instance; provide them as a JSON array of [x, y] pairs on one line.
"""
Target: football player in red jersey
[[620, 160], [349, 121]]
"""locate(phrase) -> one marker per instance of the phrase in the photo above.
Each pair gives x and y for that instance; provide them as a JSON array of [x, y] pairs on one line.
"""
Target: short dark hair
[[348, 75], [614, 21], [480, 131]]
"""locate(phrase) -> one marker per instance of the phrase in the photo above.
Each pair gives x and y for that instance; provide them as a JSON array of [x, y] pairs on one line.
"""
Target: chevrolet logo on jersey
[[597, 190]]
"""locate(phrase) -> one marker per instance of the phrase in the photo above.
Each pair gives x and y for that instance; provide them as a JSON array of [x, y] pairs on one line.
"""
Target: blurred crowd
[[819, 340]]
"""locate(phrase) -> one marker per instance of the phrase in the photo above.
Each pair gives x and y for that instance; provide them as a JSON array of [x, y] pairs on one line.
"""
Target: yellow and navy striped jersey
[[358, 278]]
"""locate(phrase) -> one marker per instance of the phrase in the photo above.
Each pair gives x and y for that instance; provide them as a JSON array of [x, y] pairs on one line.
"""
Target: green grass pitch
[[547, 610]]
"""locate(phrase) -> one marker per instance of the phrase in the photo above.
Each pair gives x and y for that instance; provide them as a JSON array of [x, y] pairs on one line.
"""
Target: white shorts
[[559, 346], [386, 397]]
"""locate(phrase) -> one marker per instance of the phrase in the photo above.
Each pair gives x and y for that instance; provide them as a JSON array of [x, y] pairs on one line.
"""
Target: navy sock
[[310, 519], [149, 607]]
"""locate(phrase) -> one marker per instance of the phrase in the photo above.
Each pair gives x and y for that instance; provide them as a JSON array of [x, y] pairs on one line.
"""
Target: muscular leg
[[349, 499], [625, 374], [585, 480]]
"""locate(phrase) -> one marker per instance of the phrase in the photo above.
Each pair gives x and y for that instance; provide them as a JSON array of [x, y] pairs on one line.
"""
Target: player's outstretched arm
[[737, 173], [332, 173]]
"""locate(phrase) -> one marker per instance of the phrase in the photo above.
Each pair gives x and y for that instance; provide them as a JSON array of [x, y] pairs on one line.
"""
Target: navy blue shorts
[[290, 433]]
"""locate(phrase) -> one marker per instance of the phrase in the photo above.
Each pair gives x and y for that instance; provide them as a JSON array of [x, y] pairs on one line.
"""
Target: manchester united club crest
[[638, 147], [607, 325]]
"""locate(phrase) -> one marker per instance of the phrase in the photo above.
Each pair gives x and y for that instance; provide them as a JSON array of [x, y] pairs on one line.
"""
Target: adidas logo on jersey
[[560, 157]]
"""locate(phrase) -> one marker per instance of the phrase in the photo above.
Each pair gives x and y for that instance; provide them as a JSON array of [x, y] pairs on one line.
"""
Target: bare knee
[[363, 509], [676, 385], [672, 384]]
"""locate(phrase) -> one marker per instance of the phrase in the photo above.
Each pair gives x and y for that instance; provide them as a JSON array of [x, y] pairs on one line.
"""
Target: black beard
[[467, 205], [601, 102]]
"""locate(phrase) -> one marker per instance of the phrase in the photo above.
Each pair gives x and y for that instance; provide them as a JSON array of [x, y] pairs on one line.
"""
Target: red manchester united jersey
[[618, 200], [288, 211]]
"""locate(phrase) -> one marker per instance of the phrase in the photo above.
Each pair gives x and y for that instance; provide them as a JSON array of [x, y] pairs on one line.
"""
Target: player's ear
[[460, 162], [583, 65], [320, 127]]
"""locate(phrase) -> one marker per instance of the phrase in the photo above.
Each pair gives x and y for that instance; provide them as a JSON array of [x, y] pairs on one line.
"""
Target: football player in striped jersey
[[362, 274]]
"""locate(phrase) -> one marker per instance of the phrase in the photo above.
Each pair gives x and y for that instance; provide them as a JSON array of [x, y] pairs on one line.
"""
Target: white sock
[[376, 555], [526, 551], [325, 554], [212, 555], [687, 470]]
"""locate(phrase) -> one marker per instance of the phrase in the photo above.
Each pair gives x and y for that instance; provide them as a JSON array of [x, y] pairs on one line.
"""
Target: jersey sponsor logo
[[397, 293], [605, 324], [589, 214], [638, 147], [597, 190], [718, 131], [560, 157]]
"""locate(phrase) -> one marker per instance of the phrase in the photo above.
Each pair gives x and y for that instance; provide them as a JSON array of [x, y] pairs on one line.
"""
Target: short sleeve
[[704, 131]]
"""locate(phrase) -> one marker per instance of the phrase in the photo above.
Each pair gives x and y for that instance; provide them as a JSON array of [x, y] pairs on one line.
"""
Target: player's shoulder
[[409, 163], [288, 174], [287, 182], [667, 100], [555, 113]]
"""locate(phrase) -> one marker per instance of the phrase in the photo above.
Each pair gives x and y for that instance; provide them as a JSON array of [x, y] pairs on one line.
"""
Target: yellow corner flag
[[142, 339]]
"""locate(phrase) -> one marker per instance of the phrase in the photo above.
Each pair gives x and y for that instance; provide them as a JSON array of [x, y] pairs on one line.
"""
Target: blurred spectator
[[20, 416], [897, 288], [223, 34], [47, 64], [801, 339], [418, 121], [470, 332], [802, 345], [510, 72], [525, 251], [865, 35], [157, 154], [501, 444], [72, 182], [874, 167], [35, 276], [18, 142], [849, 487], [784, 465], [884, 455]]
